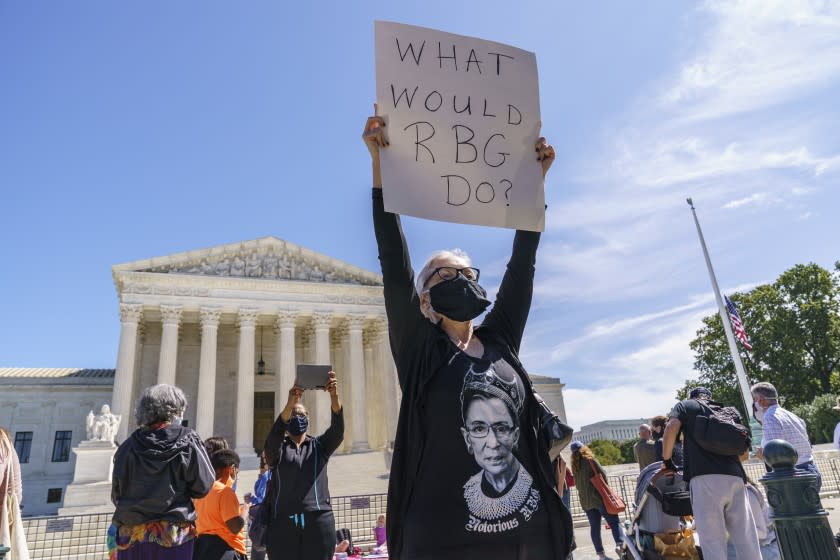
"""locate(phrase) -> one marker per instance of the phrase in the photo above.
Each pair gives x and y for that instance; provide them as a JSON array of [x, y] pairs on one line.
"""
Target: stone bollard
[[801, 523], [3, 551]]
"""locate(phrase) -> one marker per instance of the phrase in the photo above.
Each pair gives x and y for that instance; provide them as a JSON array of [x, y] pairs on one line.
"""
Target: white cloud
[[752, 199], [684, 160], [614, 328], [617, 402], [759, 53], [631, 366]]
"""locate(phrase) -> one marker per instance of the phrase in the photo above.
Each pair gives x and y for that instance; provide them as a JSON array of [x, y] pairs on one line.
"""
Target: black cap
[[700, 393]]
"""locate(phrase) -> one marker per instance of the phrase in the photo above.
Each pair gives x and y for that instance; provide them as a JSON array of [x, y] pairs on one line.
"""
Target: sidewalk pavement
[[585, 550]]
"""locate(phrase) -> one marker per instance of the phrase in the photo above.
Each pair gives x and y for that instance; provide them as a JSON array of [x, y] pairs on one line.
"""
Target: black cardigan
[[420, 349]]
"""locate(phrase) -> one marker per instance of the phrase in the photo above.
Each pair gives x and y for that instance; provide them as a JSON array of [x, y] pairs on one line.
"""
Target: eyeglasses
[[450, 272], [501, 430]]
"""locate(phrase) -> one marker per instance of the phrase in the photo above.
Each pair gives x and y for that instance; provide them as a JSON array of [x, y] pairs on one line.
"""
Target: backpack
[[718, 429]]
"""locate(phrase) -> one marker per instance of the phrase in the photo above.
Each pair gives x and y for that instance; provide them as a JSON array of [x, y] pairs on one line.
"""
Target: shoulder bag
[[613, 504]]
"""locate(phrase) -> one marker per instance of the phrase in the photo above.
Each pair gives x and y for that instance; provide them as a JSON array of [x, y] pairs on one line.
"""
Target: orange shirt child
[[215, 509]]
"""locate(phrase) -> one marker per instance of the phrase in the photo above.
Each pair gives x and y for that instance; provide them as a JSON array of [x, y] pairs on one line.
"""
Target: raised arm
[[334, 434], [278, 430], [513, 301], [401, 301]]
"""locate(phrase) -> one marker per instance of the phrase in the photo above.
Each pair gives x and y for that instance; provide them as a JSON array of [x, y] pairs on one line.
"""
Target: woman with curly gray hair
[[158, 471]]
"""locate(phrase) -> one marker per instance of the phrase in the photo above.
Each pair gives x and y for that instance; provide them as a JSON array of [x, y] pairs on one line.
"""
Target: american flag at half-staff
[[737, 325]]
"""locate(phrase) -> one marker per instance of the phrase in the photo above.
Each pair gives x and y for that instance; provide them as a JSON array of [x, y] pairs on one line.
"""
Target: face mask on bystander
[[297, 424]]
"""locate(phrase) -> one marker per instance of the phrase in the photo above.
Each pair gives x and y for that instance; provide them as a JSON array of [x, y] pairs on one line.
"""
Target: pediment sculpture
[[272, 262]]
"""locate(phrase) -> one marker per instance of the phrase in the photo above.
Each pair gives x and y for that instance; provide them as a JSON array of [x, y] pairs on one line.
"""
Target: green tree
[[626, 448], [820, 418], [606, 451], [794, 328]]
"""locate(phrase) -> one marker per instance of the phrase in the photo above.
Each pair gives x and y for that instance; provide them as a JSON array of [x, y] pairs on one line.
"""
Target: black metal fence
[[83, 537], [68, 537], [626, 484], [79, 537]]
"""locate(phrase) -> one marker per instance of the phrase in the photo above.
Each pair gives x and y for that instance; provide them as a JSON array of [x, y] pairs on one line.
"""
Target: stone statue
[[238, 267], [316, 275], [223, 268], [269, 266], [284, 269], [103, 426], [206, 267], [299, 270], [253, 266]]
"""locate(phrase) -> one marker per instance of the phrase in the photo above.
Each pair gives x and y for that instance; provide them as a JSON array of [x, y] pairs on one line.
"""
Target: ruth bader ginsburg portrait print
[[501, 495]]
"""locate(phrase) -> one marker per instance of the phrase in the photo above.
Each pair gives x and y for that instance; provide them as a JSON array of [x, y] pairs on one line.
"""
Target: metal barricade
[[359, 513], [84, 537], [79, 537], [68, 537]]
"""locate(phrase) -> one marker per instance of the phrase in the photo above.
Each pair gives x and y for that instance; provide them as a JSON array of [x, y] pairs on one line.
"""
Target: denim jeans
[[811, 467], [594, 516]]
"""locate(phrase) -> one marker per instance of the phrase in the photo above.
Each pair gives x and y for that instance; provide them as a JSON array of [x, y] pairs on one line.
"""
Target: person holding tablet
[[301, 524]]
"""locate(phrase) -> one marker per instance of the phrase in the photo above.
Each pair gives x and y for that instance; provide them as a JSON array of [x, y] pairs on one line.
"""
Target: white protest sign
[[463, 117]]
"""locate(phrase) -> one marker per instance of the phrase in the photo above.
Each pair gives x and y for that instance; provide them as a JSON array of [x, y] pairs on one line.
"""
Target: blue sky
[[132, 130]]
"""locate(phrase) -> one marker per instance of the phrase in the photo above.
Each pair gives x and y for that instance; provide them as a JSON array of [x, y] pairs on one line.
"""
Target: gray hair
[[766, 390], [160, 403], [426, 273]]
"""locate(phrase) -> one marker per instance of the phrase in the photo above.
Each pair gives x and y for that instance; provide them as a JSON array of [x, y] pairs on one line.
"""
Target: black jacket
[[420, 349], [157, 473], [299, 480]]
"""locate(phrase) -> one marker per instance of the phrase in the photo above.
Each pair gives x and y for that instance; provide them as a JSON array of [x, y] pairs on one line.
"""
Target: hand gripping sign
[[462, 116]]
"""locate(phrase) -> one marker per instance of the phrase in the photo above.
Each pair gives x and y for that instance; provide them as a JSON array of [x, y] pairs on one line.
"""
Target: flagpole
[[740, 373]]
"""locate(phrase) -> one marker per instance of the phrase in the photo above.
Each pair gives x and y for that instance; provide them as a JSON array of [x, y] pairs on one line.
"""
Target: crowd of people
[[471, 475]]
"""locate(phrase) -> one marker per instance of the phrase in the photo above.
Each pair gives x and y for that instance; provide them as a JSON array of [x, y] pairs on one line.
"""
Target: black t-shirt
[[698, 461], [480, 492]]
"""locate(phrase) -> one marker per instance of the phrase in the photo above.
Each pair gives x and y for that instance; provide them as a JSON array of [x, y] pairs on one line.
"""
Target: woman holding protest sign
[[470, 476]]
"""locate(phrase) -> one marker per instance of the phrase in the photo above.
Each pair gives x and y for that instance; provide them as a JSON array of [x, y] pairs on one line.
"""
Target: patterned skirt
[[165, 540]]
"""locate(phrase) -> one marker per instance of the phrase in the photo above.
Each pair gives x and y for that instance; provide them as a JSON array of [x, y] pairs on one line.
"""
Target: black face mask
[[459, 299]]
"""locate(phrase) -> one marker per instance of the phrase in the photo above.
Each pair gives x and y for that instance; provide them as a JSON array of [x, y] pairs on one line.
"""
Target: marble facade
[[203, 319]]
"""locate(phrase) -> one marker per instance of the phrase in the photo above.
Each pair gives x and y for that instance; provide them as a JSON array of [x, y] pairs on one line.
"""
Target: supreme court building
[[228, 325]]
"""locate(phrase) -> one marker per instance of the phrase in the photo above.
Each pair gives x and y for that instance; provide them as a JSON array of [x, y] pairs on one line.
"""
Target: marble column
[[389, 383], [244, 442], [130, 317], [321, 323], [373, 385], [339, 342], [171, 319], [284, 374], [206, 401], [358, 397]]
